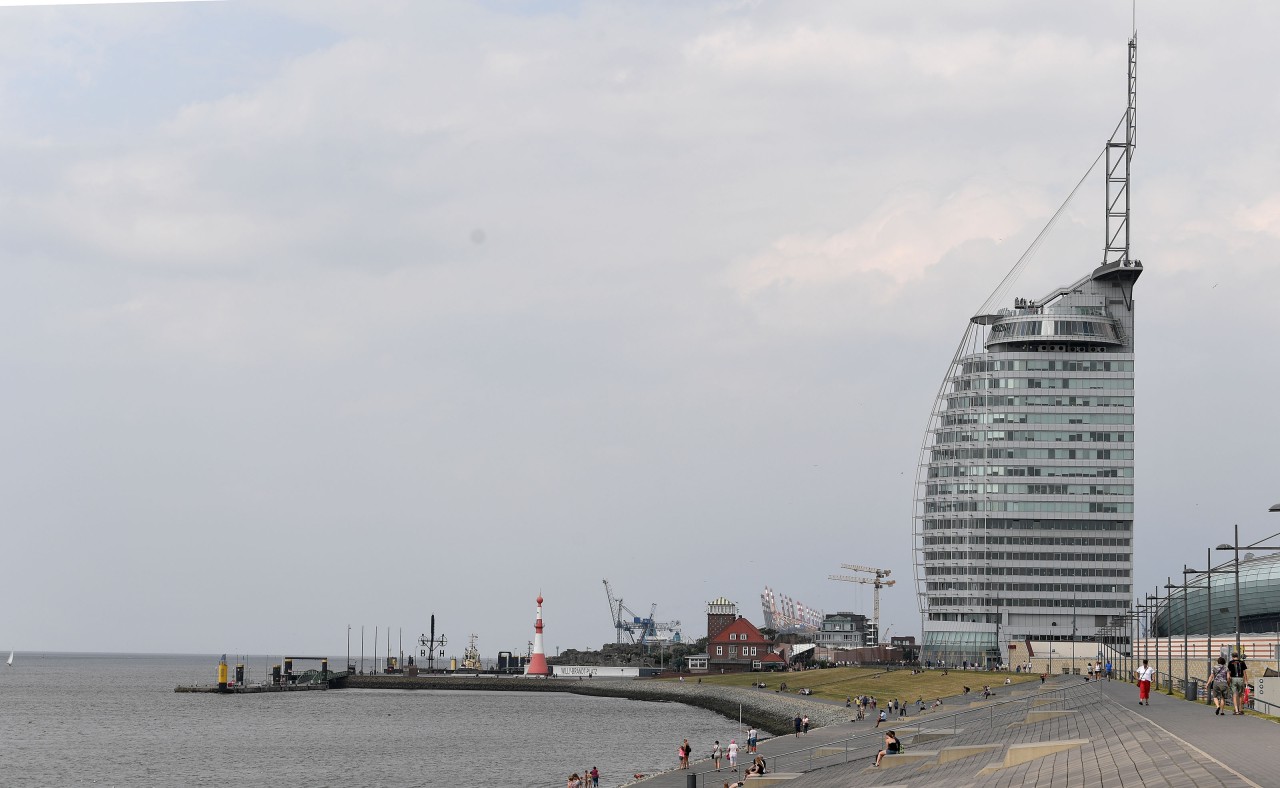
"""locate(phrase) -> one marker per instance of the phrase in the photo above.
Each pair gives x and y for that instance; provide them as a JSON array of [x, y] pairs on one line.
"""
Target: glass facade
[[1040, 549], [1259, 601]]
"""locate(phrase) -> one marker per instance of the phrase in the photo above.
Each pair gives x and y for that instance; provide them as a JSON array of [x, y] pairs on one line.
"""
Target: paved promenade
[[799, 753], [1102, 738], [1249, 745]]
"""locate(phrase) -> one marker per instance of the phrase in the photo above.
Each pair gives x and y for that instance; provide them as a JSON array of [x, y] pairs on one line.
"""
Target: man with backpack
[[1239, 673]]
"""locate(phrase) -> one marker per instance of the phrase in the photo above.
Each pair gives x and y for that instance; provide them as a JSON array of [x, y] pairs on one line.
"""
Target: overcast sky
[[323, 313]]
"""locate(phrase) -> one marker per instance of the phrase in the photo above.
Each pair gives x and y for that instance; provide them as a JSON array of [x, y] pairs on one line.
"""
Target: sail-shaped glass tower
[[1023, 521]]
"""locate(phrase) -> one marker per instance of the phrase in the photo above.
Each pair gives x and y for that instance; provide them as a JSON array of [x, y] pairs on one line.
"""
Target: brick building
[[734, 644]]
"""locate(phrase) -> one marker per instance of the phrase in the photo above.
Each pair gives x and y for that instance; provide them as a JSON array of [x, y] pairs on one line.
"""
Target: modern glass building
[[1216, 603], [1023, 522]]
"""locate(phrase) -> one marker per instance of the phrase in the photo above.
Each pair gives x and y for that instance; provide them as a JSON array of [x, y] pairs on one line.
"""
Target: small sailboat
[[10, 662]]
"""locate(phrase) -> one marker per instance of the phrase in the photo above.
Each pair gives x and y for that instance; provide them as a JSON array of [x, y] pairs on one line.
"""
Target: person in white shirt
[[1145, 674], [733, 753]]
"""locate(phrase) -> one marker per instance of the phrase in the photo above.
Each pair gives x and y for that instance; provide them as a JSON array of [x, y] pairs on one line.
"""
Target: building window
[[733, 651], [719, 651]]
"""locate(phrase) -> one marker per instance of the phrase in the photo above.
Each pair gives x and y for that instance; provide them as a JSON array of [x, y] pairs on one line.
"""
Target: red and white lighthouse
[[538, 659]]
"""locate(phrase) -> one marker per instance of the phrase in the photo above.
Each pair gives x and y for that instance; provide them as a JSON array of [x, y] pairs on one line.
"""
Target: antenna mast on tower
[[1119, 155]]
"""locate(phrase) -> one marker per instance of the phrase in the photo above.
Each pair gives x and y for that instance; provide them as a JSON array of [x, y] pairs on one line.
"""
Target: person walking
[[1144, 674], [1108, 670], [799, 722], [1219, 685], [733, 753], [715, 754], [1239, 673]]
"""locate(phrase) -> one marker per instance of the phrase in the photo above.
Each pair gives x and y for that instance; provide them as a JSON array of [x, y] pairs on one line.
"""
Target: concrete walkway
[[1248, 745], [857, 740], [1071, 733]]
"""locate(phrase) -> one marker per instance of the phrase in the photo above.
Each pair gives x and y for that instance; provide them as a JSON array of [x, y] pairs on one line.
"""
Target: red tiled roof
[[740, 628]]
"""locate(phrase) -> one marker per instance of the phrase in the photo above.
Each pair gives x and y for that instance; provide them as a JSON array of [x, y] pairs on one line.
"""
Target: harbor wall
[[769, 711]]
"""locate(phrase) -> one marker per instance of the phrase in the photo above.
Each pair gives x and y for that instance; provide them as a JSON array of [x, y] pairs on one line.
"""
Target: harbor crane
[[877, 582], [625, 620]]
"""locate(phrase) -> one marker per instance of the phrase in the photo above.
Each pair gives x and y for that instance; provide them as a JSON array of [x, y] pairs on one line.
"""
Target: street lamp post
[[1053, 638], [1186, 668], [1235, 545], [1168, 614], [1208, 587], [1153, 617]]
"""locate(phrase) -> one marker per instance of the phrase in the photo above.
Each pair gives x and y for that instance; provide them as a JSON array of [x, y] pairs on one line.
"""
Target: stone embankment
[[762, 708]]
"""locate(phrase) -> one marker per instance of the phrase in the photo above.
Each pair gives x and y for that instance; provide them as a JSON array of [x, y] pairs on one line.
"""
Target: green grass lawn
[[839, 683]]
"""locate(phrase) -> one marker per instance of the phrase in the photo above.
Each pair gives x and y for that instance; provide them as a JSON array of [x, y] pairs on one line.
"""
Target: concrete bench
[[908, 758], [771, 778], [924, 737], [1044, 715], [960, 752], [1018, 754]]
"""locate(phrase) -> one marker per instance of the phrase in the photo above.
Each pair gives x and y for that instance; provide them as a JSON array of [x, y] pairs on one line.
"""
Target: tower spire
[[1119, 152]]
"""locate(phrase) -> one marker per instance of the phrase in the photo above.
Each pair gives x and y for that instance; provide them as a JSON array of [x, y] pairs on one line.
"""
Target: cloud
[[880, 260]]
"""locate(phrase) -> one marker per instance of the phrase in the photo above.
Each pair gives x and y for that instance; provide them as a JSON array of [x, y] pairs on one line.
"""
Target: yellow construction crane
[[876, 582]]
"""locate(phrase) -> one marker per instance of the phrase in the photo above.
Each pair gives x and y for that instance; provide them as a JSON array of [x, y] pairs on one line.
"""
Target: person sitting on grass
[[892, 746]]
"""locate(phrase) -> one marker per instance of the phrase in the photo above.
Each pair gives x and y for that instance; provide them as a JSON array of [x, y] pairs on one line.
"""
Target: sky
[[318, 314]]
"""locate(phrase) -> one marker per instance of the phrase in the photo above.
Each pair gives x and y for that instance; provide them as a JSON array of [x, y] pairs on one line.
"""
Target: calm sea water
[[114, 720]]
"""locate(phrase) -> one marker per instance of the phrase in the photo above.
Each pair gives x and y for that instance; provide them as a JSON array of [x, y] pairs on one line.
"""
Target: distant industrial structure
[[785, 615], [876, 581], [638, 629]]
